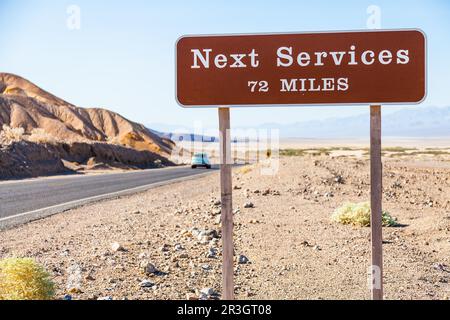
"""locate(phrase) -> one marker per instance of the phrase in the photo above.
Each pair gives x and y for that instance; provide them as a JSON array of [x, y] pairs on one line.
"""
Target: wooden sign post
[[227, 204], [376, 177], [325, 68]]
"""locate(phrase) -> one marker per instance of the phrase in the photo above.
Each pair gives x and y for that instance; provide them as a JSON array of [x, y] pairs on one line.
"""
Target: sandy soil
[[295, 251]]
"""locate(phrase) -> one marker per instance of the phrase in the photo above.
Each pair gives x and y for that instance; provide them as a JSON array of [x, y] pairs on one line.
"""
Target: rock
[[165, 248], [116, 247], [67, 297], [178, 247], [146, 284], [148, 268], [339, 179], [236, 187], [217, 203], [243, 259], [183, 256], [266, 192], [207, 292], [89, 278], [203, 296], [317, 248], [206, 267], [440, 267], [108, 298], [249, 205], [236, 211], [212, 253], [306, 244]]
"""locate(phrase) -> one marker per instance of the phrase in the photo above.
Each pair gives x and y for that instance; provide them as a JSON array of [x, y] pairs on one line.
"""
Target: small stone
[[212, 253], [148, 268], [206, 267], [243, 259], [164, 248], [146, 284], [317, 248], [89, 278], [203, 296], [207, 292], [249, 205], [217, 203], [178, 247], [339, 179], [108, 298], [67, 297], [117, 247]]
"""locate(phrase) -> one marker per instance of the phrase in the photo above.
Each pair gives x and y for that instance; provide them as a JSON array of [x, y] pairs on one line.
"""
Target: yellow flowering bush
[[358, 214], [24, 279]]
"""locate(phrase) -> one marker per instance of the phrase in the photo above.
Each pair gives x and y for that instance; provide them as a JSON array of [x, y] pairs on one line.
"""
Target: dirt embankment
[[26, 159]]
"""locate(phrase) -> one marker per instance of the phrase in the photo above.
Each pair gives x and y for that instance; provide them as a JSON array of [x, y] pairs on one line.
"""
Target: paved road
[[23, 201]]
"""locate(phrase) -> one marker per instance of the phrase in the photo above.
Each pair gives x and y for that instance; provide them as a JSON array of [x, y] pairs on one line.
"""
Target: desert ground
[[107, 250]]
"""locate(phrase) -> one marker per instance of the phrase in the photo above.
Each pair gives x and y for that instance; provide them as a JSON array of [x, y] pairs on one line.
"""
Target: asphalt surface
[[22, 201]]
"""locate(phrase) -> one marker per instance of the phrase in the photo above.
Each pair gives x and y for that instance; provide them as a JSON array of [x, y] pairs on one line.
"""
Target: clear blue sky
[[122, 58]]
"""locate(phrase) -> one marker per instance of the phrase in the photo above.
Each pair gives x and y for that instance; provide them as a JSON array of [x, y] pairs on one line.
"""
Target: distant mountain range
[[410, 122]]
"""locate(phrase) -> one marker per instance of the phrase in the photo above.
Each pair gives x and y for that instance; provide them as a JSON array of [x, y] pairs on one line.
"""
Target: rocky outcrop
[[23, 104], [26, 159]]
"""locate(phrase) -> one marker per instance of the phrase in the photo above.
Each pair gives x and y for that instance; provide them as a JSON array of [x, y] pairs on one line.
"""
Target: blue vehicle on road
[[200, 160]]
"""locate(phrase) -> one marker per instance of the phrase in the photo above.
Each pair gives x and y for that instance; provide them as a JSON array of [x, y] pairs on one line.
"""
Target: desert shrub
[[245, 170], [358, 214], [9, 135], [292, 152], [24, 279], [39, 135]]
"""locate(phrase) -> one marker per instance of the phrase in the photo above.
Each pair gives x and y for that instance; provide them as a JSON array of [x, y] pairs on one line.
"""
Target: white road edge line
[[84, 201]]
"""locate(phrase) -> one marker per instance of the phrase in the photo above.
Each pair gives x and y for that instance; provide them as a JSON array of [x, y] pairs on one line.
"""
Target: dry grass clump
[[358, 214], [9, 135], [24, 279], [39, 135]]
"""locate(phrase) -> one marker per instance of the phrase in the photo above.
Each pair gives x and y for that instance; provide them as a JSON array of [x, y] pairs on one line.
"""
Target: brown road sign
[[359, 67]]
